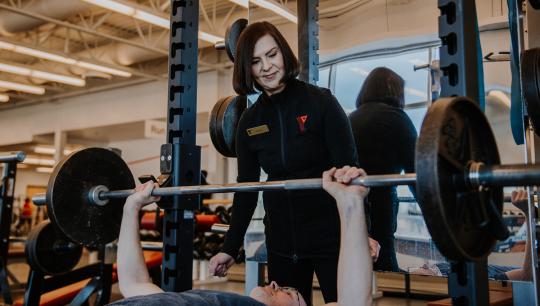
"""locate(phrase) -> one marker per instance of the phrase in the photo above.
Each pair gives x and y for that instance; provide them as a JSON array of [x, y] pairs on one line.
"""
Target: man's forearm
[[133, 275], [355, 264]]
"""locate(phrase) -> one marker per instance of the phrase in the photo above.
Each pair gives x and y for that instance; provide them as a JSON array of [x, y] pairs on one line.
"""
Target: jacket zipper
[[291, 215]]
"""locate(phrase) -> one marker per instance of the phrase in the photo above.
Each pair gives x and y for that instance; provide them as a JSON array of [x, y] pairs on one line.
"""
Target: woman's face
[[267, 66]]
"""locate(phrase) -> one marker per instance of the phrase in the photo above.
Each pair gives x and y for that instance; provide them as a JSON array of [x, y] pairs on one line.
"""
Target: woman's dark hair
[[242, 79], [382, 85]]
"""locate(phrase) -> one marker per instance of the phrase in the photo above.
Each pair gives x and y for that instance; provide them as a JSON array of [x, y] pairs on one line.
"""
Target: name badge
[[261, 129]]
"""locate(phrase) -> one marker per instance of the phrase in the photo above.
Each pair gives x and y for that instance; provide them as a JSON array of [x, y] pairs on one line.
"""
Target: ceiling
[[86, 35], [93, 35]]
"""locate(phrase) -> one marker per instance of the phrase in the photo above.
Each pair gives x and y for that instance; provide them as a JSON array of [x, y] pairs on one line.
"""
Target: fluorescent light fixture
[[113, 6], [209, 37], [31, 89], [244, 3], [4, 98], [104, 69], [49, 150], [151, 18], [44, 169], [39, 161], [61, 59], [142, 15], [276, 8], [48, 76]]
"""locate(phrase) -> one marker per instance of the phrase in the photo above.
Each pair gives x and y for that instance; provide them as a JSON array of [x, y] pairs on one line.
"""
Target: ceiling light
[[22, 87], [151, 18], [244, 3], [44, 169], [276, 8], [113, 6], [48, 76], [61, 59], [146, 16], [209, 37]]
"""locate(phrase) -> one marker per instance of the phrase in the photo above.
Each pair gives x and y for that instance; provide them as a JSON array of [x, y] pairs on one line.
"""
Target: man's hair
[[243, 82], [382, 85]]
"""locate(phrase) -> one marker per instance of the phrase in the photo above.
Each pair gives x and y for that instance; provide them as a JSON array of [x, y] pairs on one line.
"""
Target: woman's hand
[[220, 264], [374, 248]]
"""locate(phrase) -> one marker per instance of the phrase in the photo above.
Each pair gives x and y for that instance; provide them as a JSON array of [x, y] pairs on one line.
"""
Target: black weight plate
[[530, 82], [229, 117], [224, 120], [231, 36], [215, 126], [454, 133], [49, 252], [67, 195]]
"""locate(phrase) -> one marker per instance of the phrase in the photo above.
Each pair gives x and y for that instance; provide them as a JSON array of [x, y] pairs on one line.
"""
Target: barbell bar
[[479, 175], [458, 182], [7, 157], [99, 195]]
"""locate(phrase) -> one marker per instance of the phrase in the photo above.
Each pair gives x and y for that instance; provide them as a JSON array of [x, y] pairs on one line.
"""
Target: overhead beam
[[81, 28]]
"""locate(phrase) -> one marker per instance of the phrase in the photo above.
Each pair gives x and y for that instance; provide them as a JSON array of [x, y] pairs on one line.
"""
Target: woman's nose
[[266, 65]]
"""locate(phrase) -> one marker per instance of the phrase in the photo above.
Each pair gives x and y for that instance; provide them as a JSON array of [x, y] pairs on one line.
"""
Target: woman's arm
[[244, 204]]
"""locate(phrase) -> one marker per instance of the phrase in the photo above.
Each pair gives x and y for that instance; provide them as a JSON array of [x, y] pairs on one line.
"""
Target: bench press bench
[[65, 295]]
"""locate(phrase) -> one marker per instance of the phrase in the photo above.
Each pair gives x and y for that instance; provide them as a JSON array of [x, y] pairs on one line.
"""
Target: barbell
[[7, 157], [458, 181]]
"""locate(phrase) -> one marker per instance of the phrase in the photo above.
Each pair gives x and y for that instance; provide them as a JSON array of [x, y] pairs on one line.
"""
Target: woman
[[385, 141], [295, 130]]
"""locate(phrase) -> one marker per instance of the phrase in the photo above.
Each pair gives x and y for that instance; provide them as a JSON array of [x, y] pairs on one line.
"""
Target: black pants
[[299, 275], [383, 216]]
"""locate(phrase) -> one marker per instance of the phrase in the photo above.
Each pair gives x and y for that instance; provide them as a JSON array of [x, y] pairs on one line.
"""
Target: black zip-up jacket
[[297, 133]]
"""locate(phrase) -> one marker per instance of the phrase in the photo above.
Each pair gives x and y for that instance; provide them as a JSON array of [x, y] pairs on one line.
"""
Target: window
[[324, 77], [351, 75]]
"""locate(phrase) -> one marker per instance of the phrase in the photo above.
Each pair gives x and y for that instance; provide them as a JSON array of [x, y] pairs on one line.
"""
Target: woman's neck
[[275, 91]]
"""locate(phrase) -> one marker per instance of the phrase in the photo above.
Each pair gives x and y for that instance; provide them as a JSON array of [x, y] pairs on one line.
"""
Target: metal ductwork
[[12, 23]]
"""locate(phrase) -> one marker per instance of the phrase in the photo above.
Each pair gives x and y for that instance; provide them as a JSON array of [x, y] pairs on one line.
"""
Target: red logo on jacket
[[302, 122]]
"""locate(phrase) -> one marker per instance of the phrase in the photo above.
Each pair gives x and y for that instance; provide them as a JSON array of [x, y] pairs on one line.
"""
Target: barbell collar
[[506, 176], [7, 157], [39, 199], [94, 195]]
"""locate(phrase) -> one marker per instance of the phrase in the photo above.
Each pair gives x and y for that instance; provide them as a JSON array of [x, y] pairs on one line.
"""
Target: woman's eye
[[254, 62], [273, 54]]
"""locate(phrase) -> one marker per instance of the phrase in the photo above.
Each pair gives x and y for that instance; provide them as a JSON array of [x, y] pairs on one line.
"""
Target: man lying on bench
[[354, 268]]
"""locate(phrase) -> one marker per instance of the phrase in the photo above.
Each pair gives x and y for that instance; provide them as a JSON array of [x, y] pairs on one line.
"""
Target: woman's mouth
[[270, 77]]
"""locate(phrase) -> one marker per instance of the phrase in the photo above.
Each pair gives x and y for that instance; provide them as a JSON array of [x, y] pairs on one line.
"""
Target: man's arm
[[133, 275], [355, 271]]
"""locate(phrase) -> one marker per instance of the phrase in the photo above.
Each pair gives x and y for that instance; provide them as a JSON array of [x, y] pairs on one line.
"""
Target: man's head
[[274, 295]]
